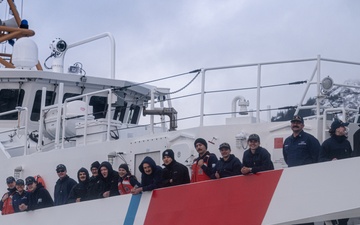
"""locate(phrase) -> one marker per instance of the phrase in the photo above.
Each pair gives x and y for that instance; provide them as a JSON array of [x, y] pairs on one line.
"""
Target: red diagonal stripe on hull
[[235, 200]]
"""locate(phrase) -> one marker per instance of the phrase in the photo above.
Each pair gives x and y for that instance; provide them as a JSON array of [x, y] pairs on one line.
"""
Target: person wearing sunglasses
[[63, 185]]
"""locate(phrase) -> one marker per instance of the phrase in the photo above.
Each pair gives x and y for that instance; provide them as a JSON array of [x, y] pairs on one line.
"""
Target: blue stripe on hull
[[132, 210]]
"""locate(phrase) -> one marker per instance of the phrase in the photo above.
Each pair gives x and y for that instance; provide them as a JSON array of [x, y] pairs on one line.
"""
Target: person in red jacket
[[126, 181], [203, 166], [6, 200]]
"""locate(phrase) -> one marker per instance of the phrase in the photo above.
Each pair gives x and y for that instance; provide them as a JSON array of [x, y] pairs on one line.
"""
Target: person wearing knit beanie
[[125, 167], [174, 172], [126, 182], [202, 141], [170, 153], [202, 166]]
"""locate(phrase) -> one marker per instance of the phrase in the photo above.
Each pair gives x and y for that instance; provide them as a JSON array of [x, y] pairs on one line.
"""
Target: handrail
[[59, 61], [314, 79], [18, 110], [86, 96]]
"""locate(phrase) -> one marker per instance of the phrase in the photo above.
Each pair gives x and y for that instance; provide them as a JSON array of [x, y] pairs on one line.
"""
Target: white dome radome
[[25, 53]]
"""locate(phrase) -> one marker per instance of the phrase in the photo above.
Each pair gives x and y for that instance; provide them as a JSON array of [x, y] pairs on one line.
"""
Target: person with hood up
[[79, 192], [229, 165], [6, 206], [63, 185], [38, 197], [108, 180], [126, 180], [174, 172], [150, 176]]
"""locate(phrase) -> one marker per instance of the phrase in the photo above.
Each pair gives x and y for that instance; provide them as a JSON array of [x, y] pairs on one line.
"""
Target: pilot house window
[[9, 100], [50, 98]]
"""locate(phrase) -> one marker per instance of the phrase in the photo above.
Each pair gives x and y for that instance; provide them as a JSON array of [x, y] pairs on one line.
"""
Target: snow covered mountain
[[341, 96]]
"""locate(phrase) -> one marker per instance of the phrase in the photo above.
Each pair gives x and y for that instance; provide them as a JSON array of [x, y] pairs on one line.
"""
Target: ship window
[[120, 112], [49, 100], [69, 95], [134, 114], [9, 99], [99, 104]]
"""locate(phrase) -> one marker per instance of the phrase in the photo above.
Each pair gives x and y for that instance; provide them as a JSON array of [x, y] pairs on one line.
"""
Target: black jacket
[[93, 190], [80, 190], [259, 161], [177, 172], [19, 199], [228, 168], [335, 147], [152, 181], [62, 190], [110, 183], [40, 198]]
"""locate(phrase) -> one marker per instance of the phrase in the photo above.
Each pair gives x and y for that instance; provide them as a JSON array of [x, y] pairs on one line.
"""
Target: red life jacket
[[197, 174], [125, 187], [39, 179], [7, 205]]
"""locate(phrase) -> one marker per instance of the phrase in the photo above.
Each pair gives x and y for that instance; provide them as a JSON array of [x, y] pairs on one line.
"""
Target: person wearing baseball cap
[[20, 196], [63, 185], [174, 172], [6, 200], [38, 197], [300, 148], [256, 158], [336, 147], [203, 165], [229, 165]]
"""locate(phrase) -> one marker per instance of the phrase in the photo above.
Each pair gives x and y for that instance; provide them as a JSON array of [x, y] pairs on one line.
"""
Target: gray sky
[[158, 38]]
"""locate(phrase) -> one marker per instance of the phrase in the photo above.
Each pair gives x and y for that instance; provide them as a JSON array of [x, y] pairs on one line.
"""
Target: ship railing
[[208, 91], [21, 120], [87, 96], [60, 139]]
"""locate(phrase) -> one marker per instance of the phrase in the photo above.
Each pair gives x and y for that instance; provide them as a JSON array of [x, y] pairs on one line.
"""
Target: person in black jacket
[[79, 192], [256, 158], [150, 176], [337, 146], [174, 173], [93, 191], [228, 165], [63, 185], [20, 196], [38, 197], [108, 183]]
